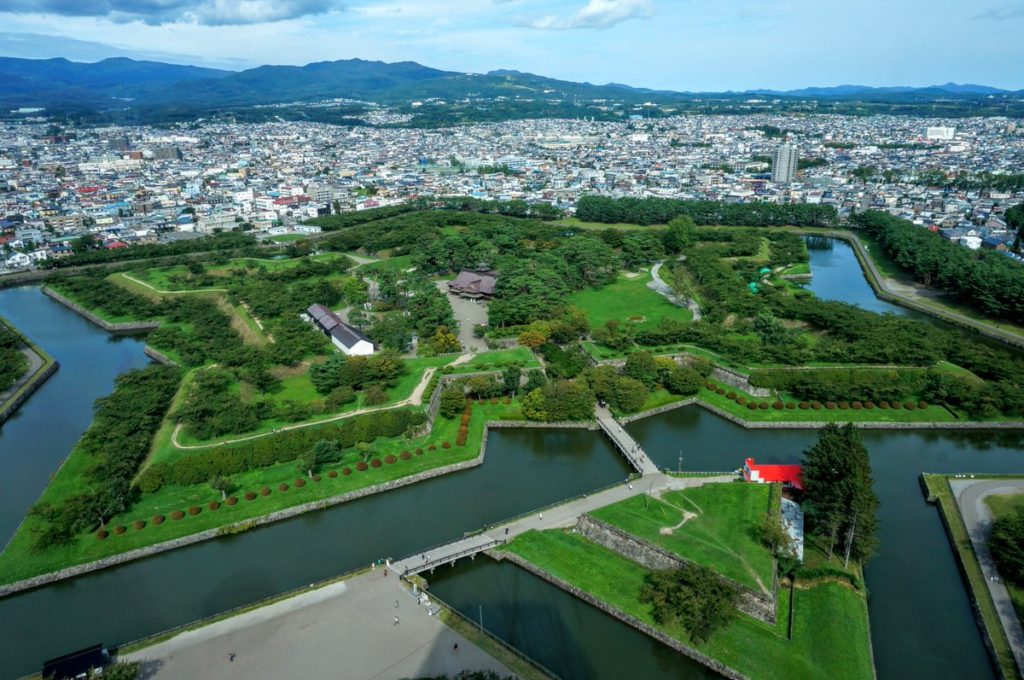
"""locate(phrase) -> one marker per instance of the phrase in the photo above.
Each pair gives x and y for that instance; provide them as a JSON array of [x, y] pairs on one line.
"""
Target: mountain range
[[121, 83]]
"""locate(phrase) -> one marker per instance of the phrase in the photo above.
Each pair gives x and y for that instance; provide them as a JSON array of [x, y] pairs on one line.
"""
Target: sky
[[685, 45]]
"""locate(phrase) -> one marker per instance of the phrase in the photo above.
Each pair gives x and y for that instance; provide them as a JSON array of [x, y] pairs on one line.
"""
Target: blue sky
[[698, 45]]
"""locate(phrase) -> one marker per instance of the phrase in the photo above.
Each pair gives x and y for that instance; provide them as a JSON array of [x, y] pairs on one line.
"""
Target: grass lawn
[[17, 562], [574, 223], [719, 529], [830, 633], [938, 488], [800, 269], [488, 361], [289, 238], [629, 301], [1001, 506], [392, 264]]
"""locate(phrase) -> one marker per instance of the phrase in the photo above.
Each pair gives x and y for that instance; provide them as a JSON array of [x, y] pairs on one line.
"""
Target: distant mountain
[[144, 88]]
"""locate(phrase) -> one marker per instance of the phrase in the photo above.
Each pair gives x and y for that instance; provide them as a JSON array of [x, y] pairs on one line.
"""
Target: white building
[[784, 164], [940, 133], [346, 338]]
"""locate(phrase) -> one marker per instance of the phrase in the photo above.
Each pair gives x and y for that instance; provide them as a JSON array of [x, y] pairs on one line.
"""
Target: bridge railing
[[448, 558], [637, 464]]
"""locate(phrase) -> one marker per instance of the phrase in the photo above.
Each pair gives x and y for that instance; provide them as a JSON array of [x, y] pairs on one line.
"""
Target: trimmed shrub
[[446, 444], [816, 405], [405, 455], [922, 404], [720, 390], [844, 405], [299, 483], [178, 514], [250, 495], [362, 466], [790, 405], [419, 452], [157, 520], [508, 400], [102, 534], [494, 401], [231, 500], [741, 401], [345, 471], [752, 406], [804, 405], [120, 529], [282, 487], [375, 463], [856, 406], [213, 505], [731, 395], [763, 406], [432, 447], [883, 405], [711, 386], [778, 406], [317, 478], [869, 405], [265, 491], [896, 405], [830, 405], [194, 510], [390, 459], [910, 406]]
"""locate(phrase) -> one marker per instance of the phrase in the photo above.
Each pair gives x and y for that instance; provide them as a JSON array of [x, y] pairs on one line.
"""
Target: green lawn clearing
[[628, 301]]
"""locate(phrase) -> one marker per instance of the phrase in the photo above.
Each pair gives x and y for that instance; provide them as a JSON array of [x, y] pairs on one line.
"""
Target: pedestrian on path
[[455, 647], [386, 569], [396, 621], [231, 656], [396, 604]]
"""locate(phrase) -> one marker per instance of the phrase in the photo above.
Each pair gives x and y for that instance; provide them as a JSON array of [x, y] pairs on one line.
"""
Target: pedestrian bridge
[[628, 446]]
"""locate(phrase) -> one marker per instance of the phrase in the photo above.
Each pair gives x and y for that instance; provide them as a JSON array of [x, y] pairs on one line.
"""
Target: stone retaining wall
[[244, 525], [158, 356], [758, 605], [26, 390], [133, 327], [644, 628]]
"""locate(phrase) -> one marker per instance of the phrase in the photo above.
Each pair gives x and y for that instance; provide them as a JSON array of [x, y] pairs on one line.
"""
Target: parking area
[[468, 313]]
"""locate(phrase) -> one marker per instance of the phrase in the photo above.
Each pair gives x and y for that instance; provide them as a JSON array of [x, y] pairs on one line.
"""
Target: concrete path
[[35, 362], [625, 443], [468, 313], [344, 630], [970, 496], [555, 517], [659, 286]]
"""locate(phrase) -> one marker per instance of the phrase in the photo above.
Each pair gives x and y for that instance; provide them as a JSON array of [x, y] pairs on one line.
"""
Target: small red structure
[[787, 475]]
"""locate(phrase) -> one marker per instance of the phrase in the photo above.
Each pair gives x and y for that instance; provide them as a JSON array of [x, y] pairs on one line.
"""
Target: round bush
[[711, 386], [213, 505], [731, 395], [362, 466], [922, 404], [299, 483], [883, 405], [139, 524], [250, 495], [282, 487], [830, 405], [232, 500], [419, 452], [157, 520], [102, 534], [120, 529], [446, 444], [869, 405], [741, 401], [896, 405], [720, 390], [432, 447], [816, 405], [194, 510], [764, 406], [405, 455], [177, 514], [752, 406], [844, 405], [265, 491], [856, 406], [345, 471], [494, 401], [804, 405], [482, 402], [334, 473], [508, 400], [910, 406], [390, 459], [778, 406], [317, 478], [790, 405], [375, 463]]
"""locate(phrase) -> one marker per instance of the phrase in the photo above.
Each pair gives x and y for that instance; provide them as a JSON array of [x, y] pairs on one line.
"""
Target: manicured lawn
[[938, 487], [801, 269], [17, 562], [628, 301], [573, 223], [289, 238], [488, 361], [830, 633], [392, 264], [719, 531]]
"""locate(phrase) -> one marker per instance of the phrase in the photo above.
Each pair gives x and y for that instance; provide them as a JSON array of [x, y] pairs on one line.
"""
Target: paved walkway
[[344, 630], [468, 313], [628, 446], [556, 517], [970, 496], [35, 362], [658, 285]]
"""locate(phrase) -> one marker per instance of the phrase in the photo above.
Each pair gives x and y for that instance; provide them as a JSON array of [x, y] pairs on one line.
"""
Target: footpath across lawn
[[628, 301], [830, 625]]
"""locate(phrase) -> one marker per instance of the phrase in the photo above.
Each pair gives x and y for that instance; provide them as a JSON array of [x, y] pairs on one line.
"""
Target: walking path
[[659, 286], [970, 497], [343, 630], [625, 443], [35, 362]]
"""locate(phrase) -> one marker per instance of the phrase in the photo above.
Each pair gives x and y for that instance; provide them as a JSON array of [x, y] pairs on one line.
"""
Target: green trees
[[681, 234], [308, 461], [683, 381], [694, 596], [222, 484], [841, 502], [453, 400], [560, 401], [663, 210], [12, 362], [1006, 541], [356, 372]]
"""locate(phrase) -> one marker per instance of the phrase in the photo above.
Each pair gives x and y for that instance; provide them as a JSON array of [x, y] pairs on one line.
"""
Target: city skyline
[[644, 43]]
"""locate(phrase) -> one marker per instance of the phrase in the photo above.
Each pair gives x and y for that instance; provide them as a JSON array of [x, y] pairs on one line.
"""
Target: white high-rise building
[[943, 133], [784, 164]]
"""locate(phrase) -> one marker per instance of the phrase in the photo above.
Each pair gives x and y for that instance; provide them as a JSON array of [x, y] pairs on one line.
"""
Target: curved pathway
[[659, 286], [970, 497], [35, 362]]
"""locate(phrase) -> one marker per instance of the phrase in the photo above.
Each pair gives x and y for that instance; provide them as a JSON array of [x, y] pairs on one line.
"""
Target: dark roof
[[479, 283], [331, 323]]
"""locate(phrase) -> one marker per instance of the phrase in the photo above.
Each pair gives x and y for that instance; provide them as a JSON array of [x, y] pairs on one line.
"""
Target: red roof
[[768, 474]]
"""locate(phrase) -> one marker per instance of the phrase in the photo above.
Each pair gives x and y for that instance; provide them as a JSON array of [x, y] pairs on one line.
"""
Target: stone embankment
[[40, 367], [759, 605]]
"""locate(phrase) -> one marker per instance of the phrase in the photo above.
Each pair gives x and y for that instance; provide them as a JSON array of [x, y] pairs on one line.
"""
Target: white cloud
[[598, 14]]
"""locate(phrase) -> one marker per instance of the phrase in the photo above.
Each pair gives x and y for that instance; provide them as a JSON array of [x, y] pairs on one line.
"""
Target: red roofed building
[[787, 475]]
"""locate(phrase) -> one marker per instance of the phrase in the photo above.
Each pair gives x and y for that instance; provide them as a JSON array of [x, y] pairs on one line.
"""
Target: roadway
[[970, 497]]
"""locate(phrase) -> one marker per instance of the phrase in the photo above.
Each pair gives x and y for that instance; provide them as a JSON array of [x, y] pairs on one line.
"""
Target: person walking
[[455, 647], [396, 604], [396, 621]]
